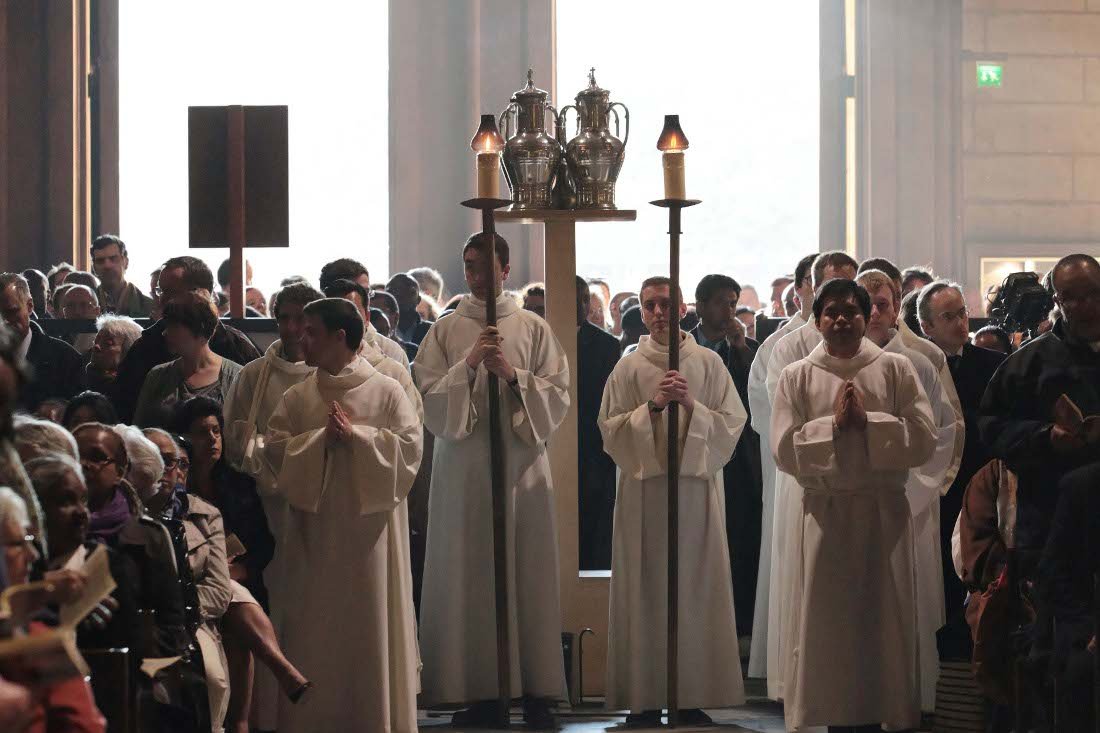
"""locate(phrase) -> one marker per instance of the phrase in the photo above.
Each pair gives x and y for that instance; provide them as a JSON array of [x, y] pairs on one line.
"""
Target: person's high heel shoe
[[296, 695]]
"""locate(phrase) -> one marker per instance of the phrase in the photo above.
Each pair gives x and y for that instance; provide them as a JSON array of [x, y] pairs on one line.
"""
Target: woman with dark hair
[[88, 406], [247, 629], [189, 323]]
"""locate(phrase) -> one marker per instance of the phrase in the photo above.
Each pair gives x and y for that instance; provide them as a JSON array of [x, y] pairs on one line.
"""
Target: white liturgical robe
[[923, 491], [787, 511], [709, 674], [760, 408], [248, 407], [457, 612], [852, 659], [387, 346], [352, 631]]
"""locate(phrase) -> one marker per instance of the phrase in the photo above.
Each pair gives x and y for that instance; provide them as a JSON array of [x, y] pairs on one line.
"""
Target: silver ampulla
[[530, 155], [595, 156]]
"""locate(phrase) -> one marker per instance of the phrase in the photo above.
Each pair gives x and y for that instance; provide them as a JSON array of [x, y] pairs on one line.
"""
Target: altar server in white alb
[[345, 445], [385, 361], [760, 413], [634, 423], [848, 423], [787, 508], [457, 613], [925, 481], [248, 407]]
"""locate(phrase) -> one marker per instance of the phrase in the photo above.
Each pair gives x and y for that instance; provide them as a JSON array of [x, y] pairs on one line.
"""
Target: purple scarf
[[106, 523]]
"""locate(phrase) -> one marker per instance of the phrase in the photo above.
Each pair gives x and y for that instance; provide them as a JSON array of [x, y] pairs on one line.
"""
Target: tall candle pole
[[672, 144], [487, 206]]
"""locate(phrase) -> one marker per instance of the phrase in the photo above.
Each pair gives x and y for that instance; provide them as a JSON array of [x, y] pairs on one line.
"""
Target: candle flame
[[487, 139]]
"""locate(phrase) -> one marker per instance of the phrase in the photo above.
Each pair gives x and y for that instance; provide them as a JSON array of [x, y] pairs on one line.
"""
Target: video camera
[[1022, 303]]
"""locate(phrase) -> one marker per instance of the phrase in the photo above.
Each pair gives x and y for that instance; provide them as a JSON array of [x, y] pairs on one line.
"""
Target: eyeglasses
[[26, 543], [171, 462], [953, 316], [1077, 299], [96, 463]]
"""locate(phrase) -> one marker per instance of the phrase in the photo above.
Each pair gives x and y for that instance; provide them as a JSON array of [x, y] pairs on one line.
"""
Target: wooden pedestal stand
[[584, 600], [674, 207]]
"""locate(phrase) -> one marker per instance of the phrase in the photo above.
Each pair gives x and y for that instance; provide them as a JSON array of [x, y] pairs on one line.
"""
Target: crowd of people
[[868, 492]]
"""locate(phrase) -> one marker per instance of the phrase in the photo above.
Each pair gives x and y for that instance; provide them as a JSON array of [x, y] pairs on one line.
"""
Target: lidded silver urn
[[530, 155], [595, 156]]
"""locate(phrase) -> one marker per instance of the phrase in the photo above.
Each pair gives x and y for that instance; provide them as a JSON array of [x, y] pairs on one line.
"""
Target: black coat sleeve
[[1010, 420]]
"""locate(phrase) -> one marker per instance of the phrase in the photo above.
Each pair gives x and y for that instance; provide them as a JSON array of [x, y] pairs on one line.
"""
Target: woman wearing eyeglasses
[[66, 705]]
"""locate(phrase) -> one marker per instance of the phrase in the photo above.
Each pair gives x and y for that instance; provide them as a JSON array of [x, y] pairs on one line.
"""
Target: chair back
[[112, 686]]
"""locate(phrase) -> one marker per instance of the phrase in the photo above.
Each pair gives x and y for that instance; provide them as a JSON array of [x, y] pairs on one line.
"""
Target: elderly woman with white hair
[[66, 704], [35, 438], [154, 466], [114, 337]]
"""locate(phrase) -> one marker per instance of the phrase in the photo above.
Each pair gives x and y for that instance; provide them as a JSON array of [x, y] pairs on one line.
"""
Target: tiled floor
[[758, 716]]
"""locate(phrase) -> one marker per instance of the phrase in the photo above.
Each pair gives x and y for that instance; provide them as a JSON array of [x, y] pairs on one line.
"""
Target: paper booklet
[[234, 548], [53, 655], [1068, 415]]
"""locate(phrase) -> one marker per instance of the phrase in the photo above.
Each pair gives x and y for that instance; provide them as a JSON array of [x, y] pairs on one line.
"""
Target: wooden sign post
[[238, 188]]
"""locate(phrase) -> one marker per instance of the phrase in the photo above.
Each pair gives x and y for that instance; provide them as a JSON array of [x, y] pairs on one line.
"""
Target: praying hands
[[848, 410], [339, 427], [673, 388]]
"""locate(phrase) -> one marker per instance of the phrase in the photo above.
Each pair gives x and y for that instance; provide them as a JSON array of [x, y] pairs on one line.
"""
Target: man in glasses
[[1033, 413], [945, 320], [178, 276]]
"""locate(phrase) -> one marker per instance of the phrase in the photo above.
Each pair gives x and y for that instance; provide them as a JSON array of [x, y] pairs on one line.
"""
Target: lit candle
[[673, 142], [487, 143]]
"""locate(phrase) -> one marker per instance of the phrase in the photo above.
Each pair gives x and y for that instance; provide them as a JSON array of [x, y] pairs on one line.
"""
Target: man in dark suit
[[58, 369], [597, 354], [179, 275], [719, 329], [945, 320]]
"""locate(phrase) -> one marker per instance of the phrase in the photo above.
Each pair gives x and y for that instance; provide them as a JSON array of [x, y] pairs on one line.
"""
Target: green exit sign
[[990, 75]]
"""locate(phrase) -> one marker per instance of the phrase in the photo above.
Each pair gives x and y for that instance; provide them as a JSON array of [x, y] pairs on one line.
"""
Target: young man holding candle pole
[[458, 622], [633, 421]]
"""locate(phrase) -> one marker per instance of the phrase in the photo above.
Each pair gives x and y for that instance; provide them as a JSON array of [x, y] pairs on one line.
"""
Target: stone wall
[[1031, 148]]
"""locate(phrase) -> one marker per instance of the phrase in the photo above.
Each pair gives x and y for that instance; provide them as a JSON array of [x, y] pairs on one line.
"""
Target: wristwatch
[[654, 408]]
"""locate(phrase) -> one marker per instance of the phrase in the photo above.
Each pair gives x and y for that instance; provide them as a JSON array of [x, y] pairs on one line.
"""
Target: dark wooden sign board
[[238, 187]]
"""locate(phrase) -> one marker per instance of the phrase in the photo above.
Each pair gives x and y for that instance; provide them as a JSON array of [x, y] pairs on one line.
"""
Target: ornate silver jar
[[530, 156], [595, 156]]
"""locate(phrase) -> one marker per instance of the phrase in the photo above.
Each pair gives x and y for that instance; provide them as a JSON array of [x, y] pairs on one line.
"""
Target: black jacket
[[124, 628], [150, 351], [1017, 416], [57, 370], [243, 514], [971, 371], [1070, 561], [743, 483], [597, 354]]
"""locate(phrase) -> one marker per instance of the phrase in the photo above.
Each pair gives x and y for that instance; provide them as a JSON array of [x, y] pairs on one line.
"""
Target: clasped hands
[[339, 427], [488, 350], [673, 388], [848, 410]]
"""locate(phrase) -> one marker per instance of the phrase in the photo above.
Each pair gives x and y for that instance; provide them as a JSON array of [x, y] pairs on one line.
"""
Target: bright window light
[[328, 61], [744, 79]]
